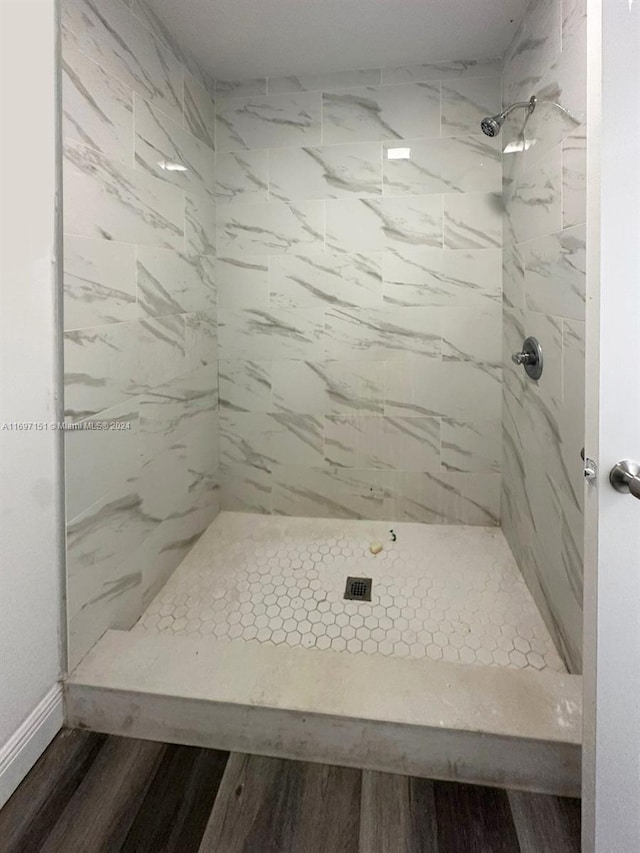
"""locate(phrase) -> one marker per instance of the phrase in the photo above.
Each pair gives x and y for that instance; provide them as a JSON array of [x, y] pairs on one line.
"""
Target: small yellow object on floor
[[375, 547]]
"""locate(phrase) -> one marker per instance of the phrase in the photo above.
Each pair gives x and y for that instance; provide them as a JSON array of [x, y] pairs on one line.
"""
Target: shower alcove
[[294, 299]]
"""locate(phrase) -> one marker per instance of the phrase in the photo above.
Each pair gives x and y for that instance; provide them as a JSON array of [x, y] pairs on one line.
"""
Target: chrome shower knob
[[530, 358]]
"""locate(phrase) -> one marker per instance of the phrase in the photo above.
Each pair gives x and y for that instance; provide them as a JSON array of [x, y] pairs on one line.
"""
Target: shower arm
[[529, 105]]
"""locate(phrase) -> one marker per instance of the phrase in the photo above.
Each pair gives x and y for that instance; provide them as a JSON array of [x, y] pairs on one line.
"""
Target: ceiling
[[235, 39]]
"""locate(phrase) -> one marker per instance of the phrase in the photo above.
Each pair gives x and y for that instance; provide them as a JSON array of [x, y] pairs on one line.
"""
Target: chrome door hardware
[[625, 478], [530, 357]]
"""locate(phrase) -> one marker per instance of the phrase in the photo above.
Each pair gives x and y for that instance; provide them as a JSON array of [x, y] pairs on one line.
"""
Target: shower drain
[[358, 589]]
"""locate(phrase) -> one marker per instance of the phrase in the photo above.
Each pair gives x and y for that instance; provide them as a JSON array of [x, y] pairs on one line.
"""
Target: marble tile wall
[[359, 296], [544, 295], [139, 311]]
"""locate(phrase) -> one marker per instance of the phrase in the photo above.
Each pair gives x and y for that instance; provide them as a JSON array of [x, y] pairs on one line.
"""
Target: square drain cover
[[358, 589]]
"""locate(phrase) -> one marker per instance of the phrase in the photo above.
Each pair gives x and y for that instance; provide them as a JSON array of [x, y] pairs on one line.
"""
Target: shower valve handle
[[522, 358]]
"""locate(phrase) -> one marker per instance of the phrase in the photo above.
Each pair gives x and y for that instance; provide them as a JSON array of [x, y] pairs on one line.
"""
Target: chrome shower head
[[491, 125]]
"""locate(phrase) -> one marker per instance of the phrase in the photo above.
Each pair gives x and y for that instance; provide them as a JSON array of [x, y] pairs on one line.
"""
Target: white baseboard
[[23, 749]]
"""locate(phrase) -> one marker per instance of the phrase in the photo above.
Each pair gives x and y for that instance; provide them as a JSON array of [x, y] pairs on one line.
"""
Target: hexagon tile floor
[[450, 593]]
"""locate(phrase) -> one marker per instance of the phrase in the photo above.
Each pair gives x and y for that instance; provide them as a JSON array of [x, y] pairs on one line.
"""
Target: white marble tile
[[270, 229], [241, 88], [465, 164], [574, 16], [574, 179], [245, 489], [174, 283], [513, 277], [245, 386], [374, 441], [242, 176], [118, 41], [382, 334], [199, 111], [442, 71], [374, 113], [471, 334], [462, 390], [472, 446], [300, 281], [100, 368], [328, 387], [274, 334], [96, 460], [161, 143], [555, 273], [466, 101], [262, 440], [201, 339], [97, 108], [329, 492], [370, 225], [162, 351], [199, 225], [99, 282], [126, 204], [535, 203], [243, 282], [321, 82], [533, 53], [548, 389], [473, 220], [268, 121], [426, 276], [333, 171]]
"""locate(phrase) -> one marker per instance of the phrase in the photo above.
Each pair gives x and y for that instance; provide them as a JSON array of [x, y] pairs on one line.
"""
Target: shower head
[[491, 125]]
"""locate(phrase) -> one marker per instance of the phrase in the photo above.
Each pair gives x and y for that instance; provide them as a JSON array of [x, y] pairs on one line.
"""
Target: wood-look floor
[[95, 794]]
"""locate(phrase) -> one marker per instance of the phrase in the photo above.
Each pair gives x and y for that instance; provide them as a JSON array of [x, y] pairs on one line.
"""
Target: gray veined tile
[[161, 144], [268, 121], [327, 492], [322, 82], [243, 282], [574, 16], [513, 277], [535, 51], [119, 42], [245, 489], [278, 333], [473, 220], [328, 387], [471, 446], [442, 71], [461, 164], [374, 113], [170, 282], [101, 365], [126, 204], [574, 179], [99, 282], [162, 351], [201, 339], [472, 334], [200, 225], [261, 440], [370, 225], [199, 111], [555, 273], [534, 204], [415, 276], [335, 279], [270, 229], [97, 461], [333, 171], [97, 108], [382, 334], [245, 386], [241, 88], [466, 101], [243, 176], [373, 441]]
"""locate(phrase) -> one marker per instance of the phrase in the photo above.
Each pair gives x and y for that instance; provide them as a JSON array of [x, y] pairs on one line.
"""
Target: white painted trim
[[28, 743]]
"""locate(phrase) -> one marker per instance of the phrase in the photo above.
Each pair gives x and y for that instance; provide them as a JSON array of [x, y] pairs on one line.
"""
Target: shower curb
[[466, 723]]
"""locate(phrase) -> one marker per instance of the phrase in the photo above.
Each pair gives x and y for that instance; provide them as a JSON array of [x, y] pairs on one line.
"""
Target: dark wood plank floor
[[95, 794]]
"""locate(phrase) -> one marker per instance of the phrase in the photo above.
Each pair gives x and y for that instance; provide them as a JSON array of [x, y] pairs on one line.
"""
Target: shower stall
[[315, 508]]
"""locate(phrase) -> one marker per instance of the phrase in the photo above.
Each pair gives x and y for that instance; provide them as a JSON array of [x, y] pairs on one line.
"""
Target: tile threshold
[[489, 725]]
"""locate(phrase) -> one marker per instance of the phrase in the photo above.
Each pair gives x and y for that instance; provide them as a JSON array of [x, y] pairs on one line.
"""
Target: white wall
[[30, 563]]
